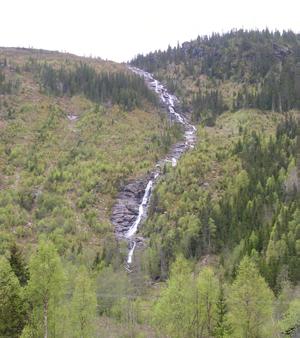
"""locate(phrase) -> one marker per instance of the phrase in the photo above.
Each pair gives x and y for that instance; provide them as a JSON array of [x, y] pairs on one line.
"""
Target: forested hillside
[[236, 195], [72, 131], [239, 69], [219, 252], [224, 230]]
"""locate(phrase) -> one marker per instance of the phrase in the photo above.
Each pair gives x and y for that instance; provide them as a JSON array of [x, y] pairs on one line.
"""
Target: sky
[[118, 30]]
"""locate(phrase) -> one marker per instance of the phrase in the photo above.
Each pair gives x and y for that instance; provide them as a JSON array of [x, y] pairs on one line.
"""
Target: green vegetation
[[125, 89], [63, 156], [12, 309], [232, 196], [189, 307], [222, 253], [235, 70]]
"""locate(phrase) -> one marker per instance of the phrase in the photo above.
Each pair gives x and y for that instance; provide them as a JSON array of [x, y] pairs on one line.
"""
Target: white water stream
[[169, 101]]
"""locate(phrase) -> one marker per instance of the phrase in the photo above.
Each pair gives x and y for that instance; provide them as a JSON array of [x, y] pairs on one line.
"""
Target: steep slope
[[72, 130], [222, 233], [237, 193], [239, 69], [132, 203]]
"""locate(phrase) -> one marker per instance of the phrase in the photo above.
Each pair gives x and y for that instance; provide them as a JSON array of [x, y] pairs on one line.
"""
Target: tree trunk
[[279, 103], [46, 318]]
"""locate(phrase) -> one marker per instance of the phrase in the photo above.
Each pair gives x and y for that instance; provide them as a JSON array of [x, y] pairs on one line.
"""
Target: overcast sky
[[120, 29]]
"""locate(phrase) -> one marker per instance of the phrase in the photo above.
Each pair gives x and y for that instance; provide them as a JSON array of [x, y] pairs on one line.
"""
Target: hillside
[[236, 195], [65, 150], [238, 69], [209, 183]]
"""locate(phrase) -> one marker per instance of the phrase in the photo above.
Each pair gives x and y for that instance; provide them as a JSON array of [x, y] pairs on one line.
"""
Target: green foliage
[[249, 69], [222, 327], [250, 302], [173, 313], [290, 322], [18, 265], [212, 103], [83, 306], [124, 89], [254, 212], [59, 176], [8, 87], [207, 299], [12, 304], [46, 288], [112, 288]]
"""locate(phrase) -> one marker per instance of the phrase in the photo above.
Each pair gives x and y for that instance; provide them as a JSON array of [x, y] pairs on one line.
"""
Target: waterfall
[[169, 101]]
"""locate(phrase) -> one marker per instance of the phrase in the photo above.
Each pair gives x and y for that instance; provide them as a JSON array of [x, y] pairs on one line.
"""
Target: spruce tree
[[12, 305], [222, 327], [18, 264]]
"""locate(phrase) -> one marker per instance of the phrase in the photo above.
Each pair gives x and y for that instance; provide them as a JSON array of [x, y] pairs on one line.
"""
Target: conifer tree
[[18, 264], [12, 305], [222, 327]]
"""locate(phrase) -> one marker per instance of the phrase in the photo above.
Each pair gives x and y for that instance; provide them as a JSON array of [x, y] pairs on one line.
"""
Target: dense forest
[[256, 215], [125, 89], [221, 243], [235, 70]]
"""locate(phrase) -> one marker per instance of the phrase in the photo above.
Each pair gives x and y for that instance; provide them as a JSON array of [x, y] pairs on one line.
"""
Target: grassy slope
[[59, 176]]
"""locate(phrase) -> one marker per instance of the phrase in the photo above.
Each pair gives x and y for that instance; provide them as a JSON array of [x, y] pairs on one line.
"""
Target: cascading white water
[[133, 229], [130, 254], [189, 135]]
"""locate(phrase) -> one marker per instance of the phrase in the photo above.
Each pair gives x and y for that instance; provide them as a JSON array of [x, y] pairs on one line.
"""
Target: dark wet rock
[[281, 51]]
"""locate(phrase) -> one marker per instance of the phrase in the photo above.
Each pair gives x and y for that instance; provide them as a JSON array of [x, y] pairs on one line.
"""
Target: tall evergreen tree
[[18, 264], [12, 302], [222, 327]]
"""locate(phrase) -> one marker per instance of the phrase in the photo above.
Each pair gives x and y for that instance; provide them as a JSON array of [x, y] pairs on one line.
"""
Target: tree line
[[261, 66], [125, 89]]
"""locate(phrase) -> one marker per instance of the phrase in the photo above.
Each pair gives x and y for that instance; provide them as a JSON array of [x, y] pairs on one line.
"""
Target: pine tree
[[84, 305], [222, 328], [18, 264], [12, 306]]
